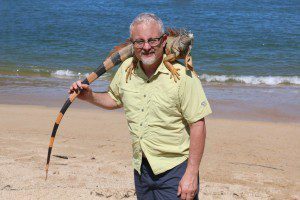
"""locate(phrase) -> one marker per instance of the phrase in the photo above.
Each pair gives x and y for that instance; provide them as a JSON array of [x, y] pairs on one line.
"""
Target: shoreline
[[229, 101], [223, 108], [265, 167]]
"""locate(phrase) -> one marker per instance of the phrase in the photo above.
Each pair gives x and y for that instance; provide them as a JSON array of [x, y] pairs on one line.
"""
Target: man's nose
[[146, 46]]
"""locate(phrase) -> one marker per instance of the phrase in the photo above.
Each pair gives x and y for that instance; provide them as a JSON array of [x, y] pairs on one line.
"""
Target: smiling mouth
[[147, 54]]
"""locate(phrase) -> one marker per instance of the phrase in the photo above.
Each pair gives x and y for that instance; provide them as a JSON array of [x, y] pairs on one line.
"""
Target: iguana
[[179, 43]]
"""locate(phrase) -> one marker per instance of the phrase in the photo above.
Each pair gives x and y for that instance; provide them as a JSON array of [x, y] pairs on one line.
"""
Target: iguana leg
[[189, 63], [170, 58], [130, 69]]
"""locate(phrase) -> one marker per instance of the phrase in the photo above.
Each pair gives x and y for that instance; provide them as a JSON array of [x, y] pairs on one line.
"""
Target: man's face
[[147, 54]]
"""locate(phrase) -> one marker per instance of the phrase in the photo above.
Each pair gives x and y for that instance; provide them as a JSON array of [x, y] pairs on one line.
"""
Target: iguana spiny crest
[[178, 46]]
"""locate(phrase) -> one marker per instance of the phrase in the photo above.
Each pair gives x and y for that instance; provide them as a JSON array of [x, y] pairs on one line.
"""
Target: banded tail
[[117, 56]]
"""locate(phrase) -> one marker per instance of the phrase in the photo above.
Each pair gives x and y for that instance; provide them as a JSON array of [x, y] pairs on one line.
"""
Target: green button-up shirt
[[159, 112]]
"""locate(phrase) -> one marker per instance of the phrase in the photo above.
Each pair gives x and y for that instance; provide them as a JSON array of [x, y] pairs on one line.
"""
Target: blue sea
[[243, 50]]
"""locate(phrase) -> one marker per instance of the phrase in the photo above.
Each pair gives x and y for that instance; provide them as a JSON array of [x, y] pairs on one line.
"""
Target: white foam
[[64, 73], [69, 74], [253, 80]]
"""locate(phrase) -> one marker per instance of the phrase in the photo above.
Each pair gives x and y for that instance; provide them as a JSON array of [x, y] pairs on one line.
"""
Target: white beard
[[148, 61]]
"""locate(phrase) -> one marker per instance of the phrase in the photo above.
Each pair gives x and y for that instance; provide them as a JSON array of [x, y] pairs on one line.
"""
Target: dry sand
[[243, 159]]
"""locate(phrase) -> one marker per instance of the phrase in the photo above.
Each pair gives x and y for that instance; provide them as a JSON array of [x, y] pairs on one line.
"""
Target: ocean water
[[248, 44]]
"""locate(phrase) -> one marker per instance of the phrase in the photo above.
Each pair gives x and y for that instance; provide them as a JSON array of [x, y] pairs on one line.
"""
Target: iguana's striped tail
[[116, 57]]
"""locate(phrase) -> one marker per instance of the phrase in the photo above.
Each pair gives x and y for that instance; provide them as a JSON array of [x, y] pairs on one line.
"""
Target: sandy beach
[[243, 159], [245, 53]]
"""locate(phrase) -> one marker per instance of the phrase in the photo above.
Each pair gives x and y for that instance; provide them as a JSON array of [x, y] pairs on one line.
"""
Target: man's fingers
[[85, 86], [79, 84], [179, 190], [73, 88], [76, 86], [189, 196], [183, 196], [185, 193], [70, 90]]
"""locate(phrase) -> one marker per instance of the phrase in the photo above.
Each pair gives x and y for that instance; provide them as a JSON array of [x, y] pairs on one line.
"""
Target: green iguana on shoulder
[[178, 46]]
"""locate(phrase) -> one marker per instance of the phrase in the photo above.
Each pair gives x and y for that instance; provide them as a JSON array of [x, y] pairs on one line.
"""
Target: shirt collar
[[161, 68]]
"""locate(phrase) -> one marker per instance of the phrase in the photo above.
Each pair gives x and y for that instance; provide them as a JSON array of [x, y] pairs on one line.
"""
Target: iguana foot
[[167, 61], [174, 71], [129, 71], [189, 64], [175, 74]]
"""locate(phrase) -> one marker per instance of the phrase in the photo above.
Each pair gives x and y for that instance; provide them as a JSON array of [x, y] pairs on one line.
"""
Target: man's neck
[[150, 69]]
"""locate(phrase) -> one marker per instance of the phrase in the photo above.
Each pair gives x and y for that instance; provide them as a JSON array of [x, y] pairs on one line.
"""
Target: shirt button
[[141, 124], [142, 110], [145, 95]]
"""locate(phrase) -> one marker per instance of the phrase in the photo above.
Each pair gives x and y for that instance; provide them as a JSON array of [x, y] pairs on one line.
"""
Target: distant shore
[[243, 159]]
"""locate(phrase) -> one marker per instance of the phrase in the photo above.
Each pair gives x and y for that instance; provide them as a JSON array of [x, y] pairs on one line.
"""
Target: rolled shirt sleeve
[[114, 87], [193, 103]]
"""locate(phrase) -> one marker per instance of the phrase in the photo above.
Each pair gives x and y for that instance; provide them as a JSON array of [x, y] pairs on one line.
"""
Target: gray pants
[[159, 187]]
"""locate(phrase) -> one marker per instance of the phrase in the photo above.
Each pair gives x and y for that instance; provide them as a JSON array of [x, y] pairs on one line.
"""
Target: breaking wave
[[69, 73], [81, 73], [64, 73], [252, 80]]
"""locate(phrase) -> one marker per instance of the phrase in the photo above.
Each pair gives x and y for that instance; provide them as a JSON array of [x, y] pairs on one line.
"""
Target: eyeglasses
[[153, 42]]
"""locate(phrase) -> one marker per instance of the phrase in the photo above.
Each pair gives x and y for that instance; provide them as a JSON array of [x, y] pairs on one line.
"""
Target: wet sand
[[231, 101], [243, 159]]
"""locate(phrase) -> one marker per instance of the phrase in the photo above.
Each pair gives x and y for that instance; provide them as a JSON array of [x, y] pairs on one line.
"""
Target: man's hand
[[102, 100], [86, 92], [188, 186]]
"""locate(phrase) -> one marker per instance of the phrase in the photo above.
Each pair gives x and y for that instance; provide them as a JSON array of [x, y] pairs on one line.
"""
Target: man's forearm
[[103, 100], [197, 143]]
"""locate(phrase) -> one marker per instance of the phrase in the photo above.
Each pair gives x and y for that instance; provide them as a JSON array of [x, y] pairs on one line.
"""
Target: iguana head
[[185, 42]]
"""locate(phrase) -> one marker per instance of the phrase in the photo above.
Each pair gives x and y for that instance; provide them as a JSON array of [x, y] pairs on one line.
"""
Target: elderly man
[[165, 119]]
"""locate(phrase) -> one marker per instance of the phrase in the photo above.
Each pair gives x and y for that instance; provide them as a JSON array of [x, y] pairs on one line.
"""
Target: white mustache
[[147, 52]]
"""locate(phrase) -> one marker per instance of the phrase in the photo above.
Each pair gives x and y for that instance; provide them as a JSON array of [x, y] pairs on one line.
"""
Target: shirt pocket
[[164, 101], [131, 99]]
